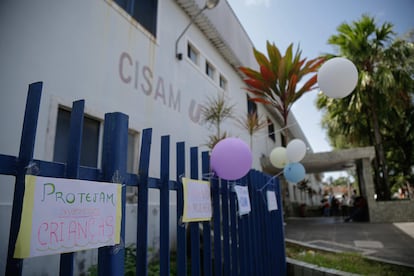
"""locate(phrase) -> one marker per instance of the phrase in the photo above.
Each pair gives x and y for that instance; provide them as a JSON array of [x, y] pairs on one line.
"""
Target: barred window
[[143, 11]]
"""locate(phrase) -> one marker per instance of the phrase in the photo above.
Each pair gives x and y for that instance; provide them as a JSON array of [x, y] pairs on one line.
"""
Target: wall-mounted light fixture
[[210, 4]]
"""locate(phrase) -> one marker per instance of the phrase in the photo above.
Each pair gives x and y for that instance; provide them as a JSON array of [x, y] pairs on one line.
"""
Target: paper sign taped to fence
[[271, 201], [243, 199], [66, 215], [197, 200]]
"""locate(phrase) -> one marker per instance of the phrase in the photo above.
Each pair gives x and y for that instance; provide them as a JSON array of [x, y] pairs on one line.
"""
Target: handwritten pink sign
[[65, 215]]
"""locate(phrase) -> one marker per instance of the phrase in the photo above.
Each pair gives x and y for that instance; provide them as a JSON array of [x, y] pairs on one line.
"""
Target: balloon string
[[268, 182], [280, 129], [209, 176], [263, 135]]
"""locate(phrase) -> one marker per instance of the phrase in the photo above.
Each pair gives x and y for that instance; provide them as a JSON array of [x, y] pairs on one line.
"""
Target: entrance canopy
[[336, 160], [321, 162]]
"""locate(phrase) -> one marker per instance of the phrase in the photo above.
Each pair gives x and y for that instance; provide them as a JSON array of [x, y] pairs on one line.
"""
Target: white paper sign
[[271, 201], [243, 199], [65, 215], [197, 200]]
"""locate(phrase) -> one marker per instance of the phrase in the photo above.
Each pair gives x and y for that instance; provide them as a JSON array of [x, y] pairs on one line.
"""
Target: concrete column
[[368, 188]]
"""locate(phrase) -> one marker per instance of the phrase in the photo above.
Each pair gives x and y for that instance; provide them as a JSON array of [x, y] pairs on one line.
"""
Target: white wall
[[90, 50]]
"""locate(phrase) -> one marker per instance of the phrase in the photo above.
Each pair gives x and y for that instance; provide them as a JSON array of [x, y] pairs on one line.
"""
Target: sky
[[308, 24]]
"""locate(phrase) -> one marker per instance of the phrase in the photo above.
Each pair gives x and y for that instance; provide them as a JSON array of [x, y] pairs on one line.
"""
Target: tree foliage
[[279, 80], [252, 123], [214, 111], [380, 110]]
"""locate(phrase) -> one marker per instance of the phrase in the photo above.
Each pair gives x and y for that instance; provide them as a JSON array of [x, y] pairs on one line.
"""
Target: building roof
[[233, 43]]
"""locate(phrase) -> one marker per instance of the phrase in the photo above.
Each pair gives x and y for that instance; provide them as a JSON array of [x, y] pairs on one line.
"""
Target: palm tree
[[382, 88], [252, 123], [214, 112], [277, 82]]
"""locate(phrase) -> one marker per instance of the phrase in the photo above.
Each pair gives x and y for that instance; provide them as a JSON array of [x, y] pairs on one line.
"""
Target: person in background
[[359, 211], [325, 207], [345, 206], [334, 206], [352, 201]]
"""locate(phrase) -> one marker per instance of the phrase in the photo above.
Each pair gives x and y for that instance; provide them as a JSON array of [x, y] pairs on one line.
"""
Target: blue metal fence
[[230, 244]]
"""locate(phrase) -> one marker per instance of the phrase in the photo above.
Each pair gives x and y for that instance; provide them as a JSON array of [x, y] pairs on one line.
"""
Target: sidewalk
[[385, 241]]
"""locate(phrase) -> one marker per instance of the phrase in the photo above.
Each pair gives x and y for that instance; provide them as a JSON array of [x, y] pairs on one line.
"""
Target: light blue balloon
[[294, 172]]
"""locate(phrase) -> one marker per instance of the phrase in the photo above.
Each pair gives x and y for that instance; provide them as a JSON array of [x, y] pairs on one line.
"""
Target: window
[[132, 160], [143, 11], [223, 82], [271, 130], [210, 70], [251, 106], [192, 53], [90, 140], [251, 110], [283, 137]]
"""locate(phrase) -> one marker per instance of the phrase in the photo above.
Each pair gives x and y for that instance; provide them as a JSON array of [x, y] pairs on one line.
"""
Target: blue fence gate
[[229, 244]]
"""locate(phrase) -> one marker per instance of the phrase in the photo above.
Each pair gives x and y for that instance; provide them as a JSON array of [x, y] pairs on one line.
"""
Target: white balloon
[[295, 150], [337, 77], [278, 157]]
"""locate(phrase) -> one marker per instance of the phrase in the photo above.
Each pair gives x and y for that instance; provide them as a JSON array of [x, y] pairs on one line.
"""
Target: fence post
[[243, 244], [181, 240], [215, 189], [252, 252], [142, 214], [261, 241], [114, 160], [165, 207], [205, 169], [257, 225], [279, 233], [233, 234], [194, 230], [27, 142], [225, 225], [72, 169]]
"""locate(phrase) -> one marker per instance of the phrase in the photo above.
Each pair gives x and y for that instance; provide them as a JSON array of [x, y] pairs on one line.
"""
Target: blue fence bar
[[215, 190], [194, 228], [142, 214], [27, 143], [233, 235], [72, 169], [165, 207], [181, 240], [114, 160], [205, 169], [243, 245], [252, 244]]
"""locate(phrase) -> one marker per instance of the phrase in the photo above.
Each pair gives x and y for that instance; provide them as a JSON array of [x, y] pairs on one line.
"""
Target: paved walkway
[[385, 241]]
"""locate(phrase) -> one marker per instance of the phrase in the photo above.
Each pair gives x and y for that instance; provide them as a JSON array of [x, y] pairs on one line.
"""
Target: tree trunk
[[284, 183], [379, 152], [377, 175]]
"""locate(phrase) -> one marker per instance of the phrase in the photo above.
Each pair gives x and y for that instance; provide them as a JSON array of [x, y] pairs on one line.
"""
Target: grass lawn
[[348, 262]]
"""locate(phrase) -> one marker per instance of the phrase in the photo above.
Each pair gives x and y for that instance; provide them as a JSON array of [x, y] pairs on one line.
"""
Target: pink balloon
[[231, 159]]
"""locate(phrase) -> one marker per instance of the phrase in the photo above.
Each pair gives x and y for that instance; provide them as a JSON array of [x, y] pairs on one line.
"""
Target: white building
[[120, 58]]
